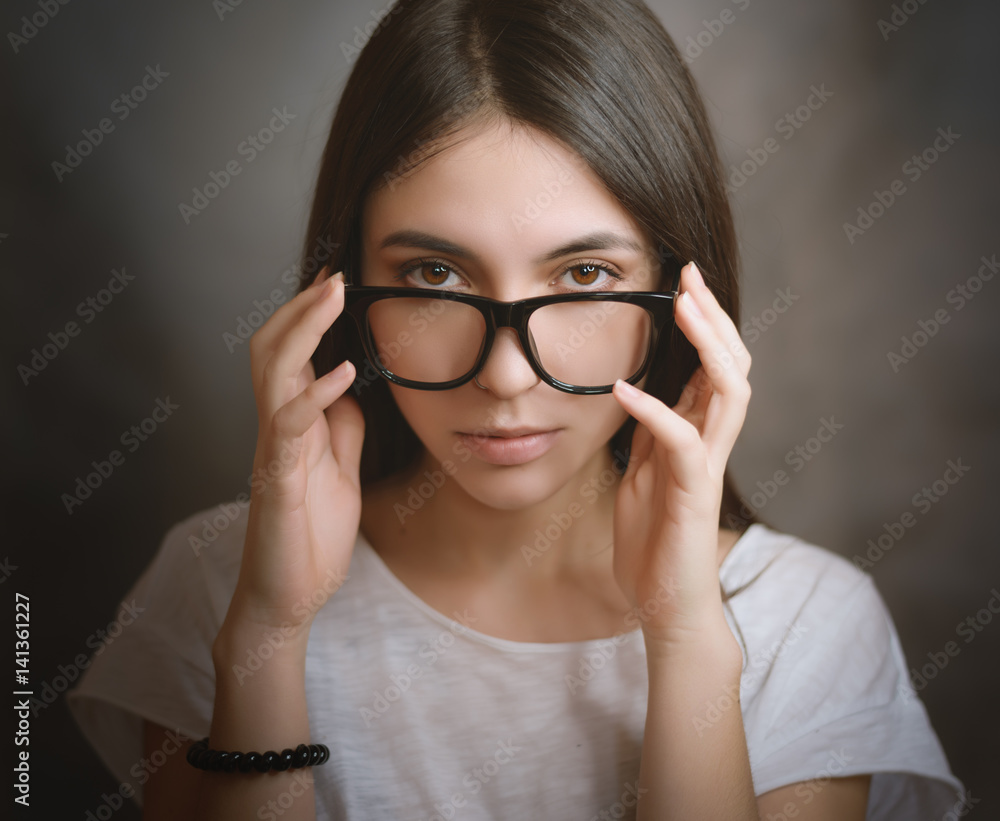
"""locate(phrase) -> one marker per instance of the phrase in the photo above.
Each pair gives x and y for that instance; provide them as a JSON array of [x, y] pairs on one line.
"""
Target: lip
[[510, 446]]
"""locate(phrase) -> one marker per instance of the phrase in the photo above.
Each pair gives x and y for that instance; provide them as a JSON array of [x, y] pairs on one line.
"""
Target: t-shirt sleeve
[[837, 701], [159, 668]]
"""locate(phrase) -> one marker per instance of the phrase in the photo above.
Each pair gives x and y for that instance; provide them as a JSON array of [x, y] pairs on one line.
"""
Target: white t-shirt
[[429, 719]]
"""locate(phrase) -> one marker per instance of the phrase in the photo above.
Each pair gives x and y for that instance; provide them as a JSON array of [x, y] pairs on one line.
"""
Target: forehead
[[498, 183]]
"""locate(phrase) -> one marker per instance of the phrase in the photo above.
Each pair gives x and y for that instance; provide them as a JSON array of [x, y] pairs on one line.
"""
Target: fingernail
[[339, 275], [697, 273], [691, 305], [626, 388], [339, 371]]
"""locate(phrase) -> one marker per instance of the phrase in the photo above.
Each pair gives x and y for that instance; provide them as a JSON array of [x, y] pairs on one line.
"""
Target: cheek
[[431, 414], [603, 417]]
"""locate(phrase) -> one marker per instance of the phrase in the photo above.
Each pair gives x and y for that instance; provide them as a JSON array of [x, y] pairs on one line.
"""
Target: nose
[[507, 372]]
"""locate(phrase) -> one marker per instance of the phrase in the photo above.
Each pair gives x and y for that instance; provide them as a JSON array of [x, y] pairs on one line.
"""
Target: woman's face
[[508, 213]]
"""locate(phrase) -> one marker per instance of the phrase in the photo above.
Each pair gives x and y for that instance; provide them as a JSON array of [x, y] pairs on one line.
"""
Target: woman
[[491, 558]]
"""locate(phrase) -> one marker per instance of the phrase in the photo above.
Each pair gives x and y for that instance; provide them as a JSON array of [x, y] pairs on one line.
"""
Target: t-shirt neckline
[[510, 645]]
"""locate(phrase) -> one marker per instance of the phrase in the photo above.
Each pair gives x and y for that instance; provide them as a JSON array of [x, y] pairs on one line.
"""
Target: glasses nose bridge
[[507, 315]]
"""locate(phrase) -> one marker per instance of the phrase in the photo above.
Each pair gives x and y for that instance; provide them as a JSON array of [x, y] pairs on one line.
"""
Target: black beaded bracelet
[[305, 755]]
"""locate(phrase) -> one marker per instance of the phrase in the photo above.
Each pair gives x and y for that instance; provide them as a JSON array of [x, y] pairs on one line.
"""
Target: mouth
[[510, 446]]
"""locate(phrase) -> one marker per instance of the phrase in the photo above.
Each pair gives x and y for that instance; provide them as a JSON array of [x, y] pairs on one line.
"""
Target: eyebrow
[[596, 241]]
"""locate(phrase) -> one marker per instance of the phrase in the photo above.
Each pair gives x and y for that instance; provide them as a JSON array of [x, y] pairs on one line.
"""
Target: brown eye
[[585, 274], [435, 273]]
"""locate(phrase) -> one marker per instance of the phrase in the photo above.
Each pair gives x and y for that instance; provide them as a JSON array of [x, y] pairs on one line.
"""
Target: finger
[[288, 315], [291, 421], [281, 372], [693, 284], [723, 410], [722, 362], [686, 456]]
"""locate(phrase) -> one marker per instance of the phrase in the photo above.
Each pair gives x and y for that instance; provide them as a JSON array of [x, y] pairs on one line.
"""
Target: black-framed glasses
[[579, 343]]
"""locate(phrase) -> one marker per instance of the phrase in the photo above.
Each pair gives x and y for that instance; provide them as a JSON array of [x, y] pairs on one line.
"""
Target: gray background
[[825, 357]]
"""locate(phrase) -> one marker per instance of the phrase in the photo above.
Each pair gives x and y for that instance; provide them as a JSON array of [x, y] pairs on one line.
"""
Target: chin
[[508, 488]]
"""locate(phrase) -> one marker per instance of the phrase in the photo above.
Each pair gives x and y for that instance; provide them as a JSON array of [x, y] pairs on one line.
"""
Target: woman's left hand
[[666, 527]]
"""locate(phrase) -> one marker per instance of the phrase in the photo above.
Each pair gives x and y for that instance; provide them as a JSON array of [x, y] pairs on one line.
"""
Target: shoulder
[[777, 583], [817, 639], [825, 688], [763, 554], [792, 601], [196, 564], [213, 534]]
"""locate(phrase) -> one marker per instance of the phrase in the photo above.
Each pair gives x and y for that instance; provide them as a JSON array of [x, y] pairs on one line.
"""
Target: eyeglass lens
[[585, 344]]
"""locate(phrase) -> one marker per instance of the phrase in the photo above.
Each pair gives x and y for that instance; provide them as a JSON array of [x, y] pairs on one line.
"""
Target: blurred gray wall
[[879, 94]]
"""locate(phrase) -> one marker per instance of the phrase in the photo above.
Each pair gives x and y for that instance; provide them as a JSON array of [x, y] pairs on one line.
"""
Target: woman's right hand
[[305, 506]]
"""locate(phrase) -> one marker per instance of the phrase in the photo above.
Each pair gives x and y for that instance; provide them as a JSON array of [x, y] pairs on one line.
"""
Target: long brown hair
[[601, 76]]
